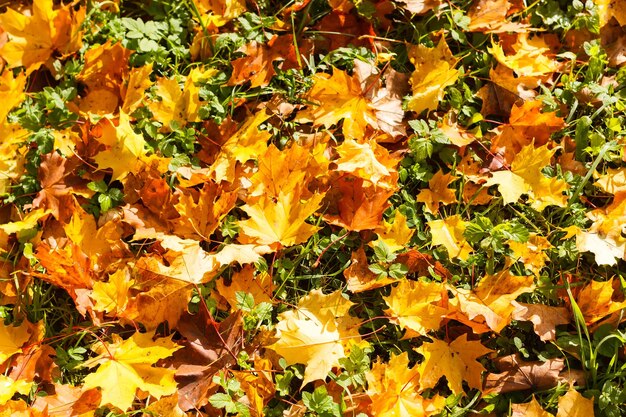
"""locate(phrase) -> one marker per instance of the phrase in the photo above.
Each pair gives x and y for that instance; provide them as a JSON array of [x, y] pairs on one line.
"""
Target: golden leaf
[[395, 235], [280, 221], [525, 177], [456, 361], [12, 338], [260, 286], [339, 97], [434, 71], [418, 306], [532, 57], [572, 404], [317, 333], [437, 192], [393, 389], [449, 233], [126, 365], [35, 39]]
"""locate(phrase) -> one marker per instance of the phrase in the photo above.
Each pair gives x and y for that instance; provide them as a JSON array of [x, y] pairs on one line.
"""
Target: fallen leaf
[[599, 299], [393, 388], [356, 205], [544, 318], [531, 253], [69, 401], [530, 409], [449, 233], [528, 57], [126, 365], [112, 296], [316, 333], [259, 285], [395, 235], [339, 97], [202, 212], [525, 177], [11, 92], [125, 152], [518, 375], [437, 192], [280, 221], [258, 65], [36, 38], [368, 161], [572, 404], [12, 338], [434, 71], [359, 277], [490, 16], [456, 361], [418, 306], [9, 387], [208, 347]]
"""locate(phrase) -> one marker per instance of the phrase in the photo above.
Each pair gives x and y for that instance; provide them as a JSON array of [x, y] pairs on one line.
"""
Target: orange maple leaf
[[35, 39]]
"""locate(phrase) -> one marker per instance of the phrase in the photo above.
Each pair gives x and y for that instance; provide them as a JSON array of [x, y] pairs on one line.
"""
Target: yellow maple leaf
[[437, 192], [221, 11], [525, 177], [28, 222], [607, 249], [112, 296], [531, 58], [11, 92], [608, 9], [185, 261], [166, 407], [126, 365], [339, 97], [258, 385], [449, 233], [247, 143], [288, 168], [133, 91], [419, 306], [531, 253], [317, 333], [179, 103], [12, 154], [395, 235], [280, 221], [34, 39], [434, 71], [97, 243], [12, 338], [9, 387], [359, 277], [126, 151], [456, 361], [157, 298], [393, 389]]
